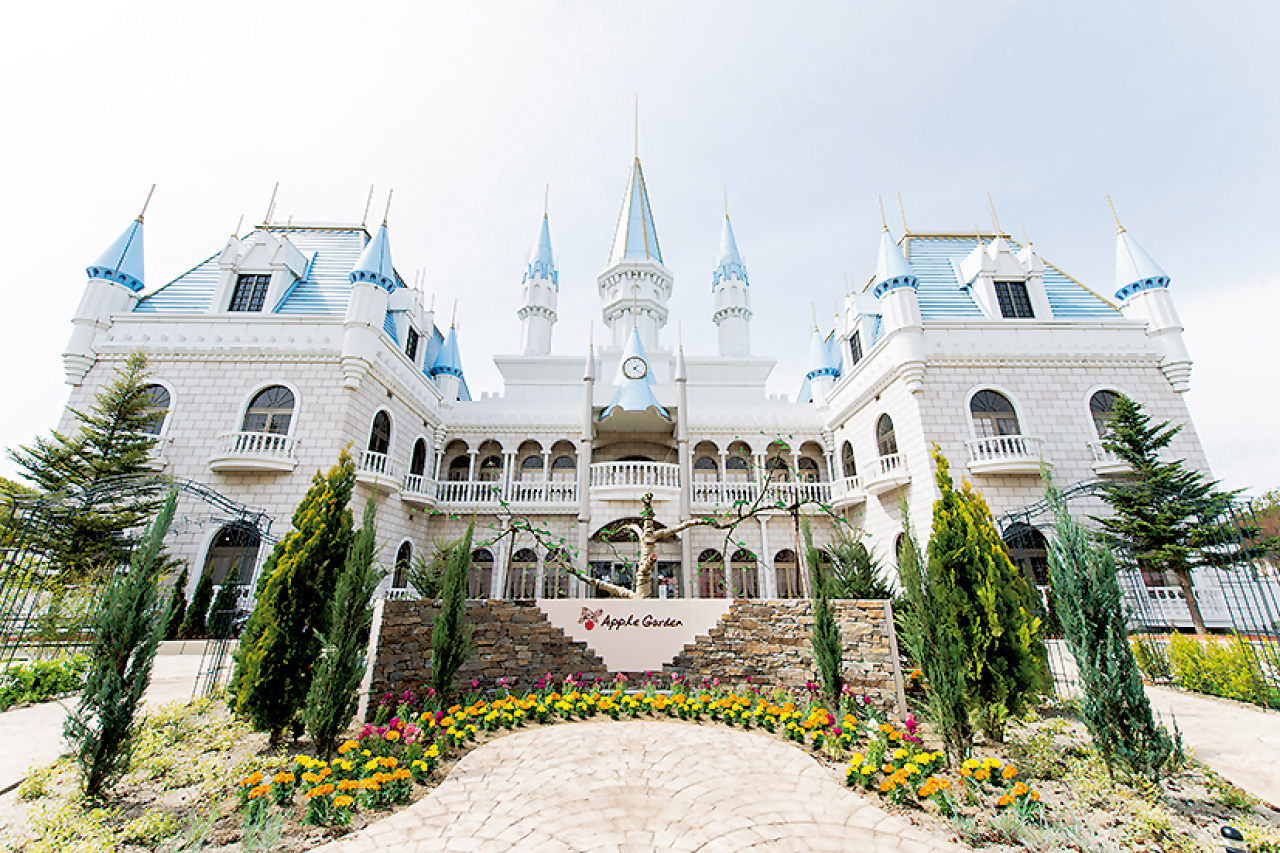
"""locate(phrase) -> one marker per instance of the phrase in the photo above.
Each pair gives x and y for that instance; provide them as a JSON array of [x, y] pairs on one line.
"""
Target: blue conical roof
[[820, 361], [448, 360], [730, 264], [892, 269], [636, 238], [375, 261], [1135, 270], [541, 264], [634, 395], [122, 262]]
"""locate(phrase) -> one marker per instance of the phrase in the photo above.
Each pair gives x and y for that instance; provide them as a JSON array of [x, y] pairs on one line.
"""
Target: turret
[[732, 299], [635, 383], [372, 279], [115, 280], [895, 287], [636, 286], [447, 370], [823, 371], [1142, 289], [539, 292]]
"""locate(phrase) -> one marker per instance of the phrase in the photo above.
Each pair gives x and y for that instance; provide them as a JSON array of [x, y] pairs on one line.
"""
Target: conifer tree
[[1163, 514], [335, 690], [177, 609], [828, 646], [280, 645], [195, 625], [855, 571], [1005, 660], [127, 632], [451, 635], [222, 613], [1112, 700]]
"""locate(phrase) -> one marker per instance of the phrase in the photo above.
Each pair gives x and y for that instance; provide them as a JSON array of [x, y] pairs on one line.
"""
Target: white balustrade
[[887, 473], [516, 492], [378, 464], [657, 475], [714, 493], [254, 451], [1005, 454]]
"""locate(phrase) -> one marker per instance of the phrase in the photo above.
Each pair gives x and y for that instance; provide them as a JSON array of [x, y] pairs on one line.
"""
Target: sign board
[[635, 635]]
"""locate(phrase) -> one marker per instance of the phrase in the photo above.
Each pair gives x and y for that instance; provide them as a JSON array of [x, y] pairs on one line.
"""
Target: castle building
[[296, 340]]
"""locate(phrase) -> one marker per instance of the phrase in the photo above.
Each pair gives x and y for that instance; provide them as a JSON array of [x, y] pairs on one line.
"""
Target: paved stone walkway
[[640, 786]]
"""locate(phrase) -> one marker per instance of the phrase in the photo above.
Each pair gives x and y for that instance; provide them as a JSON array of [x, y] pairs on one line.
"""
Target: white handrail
[[659, 475], [377, 463], [256, 444], [999, 448]]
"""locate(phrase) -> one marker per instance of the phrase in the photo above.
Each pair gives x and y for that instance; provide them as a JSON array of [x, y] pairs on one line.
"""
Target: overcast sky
[[805, 111]]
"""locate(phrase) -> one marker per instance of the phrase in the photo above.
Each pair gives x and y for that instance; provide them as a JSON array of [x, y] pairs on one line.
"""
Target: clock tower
[[635, 286]]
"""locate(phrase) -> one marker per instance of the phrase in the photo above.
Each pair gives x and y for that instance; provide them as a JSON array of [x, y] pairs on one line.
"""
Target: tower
[[372, 280], [538, 295], [895, 288], [823, 371], [447, 370], [635, 286], [1142, 289], [732, 299], [115, 280]]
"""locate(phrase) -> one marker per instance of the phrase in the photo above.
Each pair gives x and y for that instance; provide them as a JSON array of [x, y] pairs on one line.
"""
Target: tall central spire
[[636, 238]]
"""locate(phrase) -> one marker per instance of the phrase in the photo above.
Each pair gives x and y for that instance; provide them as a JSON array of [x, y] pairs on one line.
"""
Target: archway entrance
[[613, 553]]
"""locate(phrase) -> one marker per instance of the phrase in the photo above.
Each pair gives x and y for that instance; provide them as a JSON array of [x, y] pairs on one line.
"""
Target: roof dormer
[[1006, 281], [257, 271]]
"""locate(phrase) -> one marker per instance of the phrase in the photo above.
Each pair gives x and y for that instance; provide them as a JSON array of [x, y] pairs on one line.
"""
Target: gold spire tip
[[1115, 216], [884, 222], [994, 219], [368, 201], [147, 203], [387, 211], [902, 210]]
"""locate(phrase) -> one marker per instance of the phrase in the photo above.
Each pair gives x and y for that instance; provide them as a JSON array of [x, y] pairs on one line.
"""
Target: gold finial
[[368, 201], [994, 220], [239, 223], [271, 205], [814, 308], [726, 201], [1026, 237], [635, 309], [884, 222], [1119, 227], [902, 210], [637, 127], [453, 321], [147, 203], [387, 211], [546, 200]]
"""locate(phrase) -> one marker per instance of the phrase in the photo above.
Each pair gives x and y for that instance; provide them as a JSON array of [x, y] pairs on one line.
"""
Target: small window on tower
[[855, 348], [250, 293], [1014, 302], [411, 344]]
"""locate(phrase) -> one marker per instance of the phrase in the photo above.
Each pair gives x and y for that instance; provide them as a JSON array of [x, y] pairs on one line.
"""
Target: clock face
[[634, 367]]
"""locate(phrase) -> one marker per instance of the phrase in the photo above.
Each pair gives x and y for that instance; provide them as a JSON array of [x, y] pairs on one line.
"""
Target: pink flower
[[911, 725]]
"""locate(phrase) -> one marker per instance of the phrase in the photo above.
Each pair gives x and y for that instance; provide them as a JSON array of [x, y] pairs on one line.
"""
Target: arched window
[[710, 574], [270, 411], [530, 468], [787, 571], [705, 469], [807, 470], [418, 459], [743, 577], [555, 578], [993, 415], [564, 468], [404, 556], [480, 577], [736, 469], [380, 433], [522, 578], [1029, 552], [157, 408], [847, 460], [779, 470], [233, 553], [886, 441], [1102, 407], [490, 469], [459, 469]]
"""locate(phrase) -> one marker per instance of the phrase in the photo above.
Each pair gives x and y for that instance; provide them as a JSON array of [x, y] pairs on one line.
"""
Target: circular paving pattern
[[640, 786]]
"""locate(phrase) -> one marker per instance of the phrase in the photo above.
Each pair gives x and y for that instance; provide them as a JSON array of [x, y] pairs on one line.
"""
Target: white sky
[[806, 111]]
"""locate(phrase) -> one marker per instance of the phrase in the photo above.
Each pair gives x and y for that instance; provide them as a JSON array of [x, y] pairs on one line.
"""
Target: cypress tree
[[223, 611], [1005, 660], [177, 609], [828, 647], [280, 645], [856, 572], [451, 635], [127, 631], [1112, 700], [194, 625], [334, 693]]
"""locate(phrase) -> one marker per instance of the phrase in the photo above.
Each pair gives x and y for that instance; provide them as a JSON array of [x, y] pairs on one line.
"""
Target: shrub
[[194, 625], [828, 647], [1150, 656], [451, 635], [41, 680], [1219, 668], [177, 610]]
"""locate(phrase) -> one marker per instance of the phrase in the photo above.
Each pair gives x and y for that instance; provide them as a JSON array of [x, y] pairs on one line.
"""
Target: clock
[[635, 367]]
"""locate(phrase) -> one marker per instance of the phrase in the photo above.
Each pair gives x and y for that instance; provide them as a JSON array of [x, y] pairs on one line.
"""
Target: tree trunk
[[1193, 604], [648, 559]]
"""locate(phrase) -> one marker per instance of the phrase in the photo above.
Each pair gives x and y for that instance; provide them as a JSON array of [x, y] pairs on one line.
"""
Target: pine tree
[[828, 647], [1165, 512], [451, 635], [126, 634], [280, 646], [177, 609], [1112, 700], [335, 690], [855, 571], [194, 625], [222, 613], [1005, 660]]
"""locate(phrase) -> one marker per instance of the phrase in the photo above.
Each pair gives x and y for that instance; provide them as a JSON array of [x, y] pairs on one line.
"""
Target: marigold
[[369, 784], [1035, 796], [1009, 772], [320, 791], [981, 774], [252, 779], [259, 791], [392, 735], [887, 785], [1005, 800], [283, 778], [347, 746], [1020, 789], [342, 801]]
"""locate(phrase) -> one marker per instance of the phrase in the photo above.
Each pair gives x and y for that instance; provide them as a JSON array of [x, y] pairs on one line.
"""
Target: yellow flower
[[342, 801], [347, 746], [899, 754], [911, 769], [856, 758]]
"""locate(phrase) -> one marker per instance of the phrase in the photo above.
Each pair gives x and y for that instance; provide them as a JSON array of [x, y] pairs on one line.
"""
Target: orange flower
[[981, 774], [1020, 789], [1009, 772], [252, 779], [319, 791], [283, 779], [342, 802], [259, 791], [1005, 800], [887, 785], [1035, 796]]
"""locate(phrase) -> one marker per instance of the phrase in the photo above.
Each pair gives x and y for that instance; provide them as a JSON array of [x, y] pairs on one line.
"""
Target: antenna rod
[[814, 308], [368, 201], [1119, 227], [271, 205], [883, 221], [637, 126], [147, 203], [994, 220], [239, 222], [453, 321], [726, 201], [546, 200], [902, 210], [387, 211], [1026, 237]]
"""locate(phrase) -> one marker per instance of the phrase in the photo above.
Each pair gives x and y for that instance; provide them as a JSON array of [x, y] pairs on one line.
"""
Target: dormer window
[[250, 293], [855, 348], [411, 344], [1015, 304]]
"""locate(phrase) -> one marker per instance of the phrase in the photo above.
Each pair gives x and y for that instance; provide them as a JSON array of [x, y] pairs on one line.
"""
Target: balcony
[[254, 451], [1106, 462], [377, 470], [847, 492], [418, 490], [158, 455], [1005, 454], [744, 493], [521, 492], [888, 474], [630, 481]]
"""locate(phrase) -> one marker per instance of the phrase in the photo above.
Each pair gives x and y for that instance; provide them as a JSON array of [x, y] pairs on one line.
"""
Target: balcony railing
[[254, 451], [1106, 461], [713, 493], [517, 492], [377, 470], [887, 473], [1005, 454], [848, 491], [418, 489], [631, 480]]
